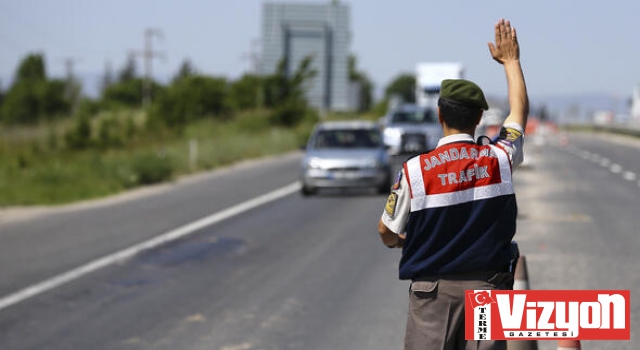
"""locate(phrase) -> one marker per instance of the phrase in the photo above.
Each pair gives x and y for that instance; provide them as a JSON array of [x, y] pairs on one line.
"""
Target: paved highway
[[579, 220], [296, 273]]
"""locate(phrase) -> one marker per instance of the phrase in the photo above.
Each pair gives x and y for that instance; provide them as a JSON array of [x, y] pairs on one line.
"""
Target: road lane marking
[[629, 176], [585, 154], [606, 163], [616, 168], [127, 253]]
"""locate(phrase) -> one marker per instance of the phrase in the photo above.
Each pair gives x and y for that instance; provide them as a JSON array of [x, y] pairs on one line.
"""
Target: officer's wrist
[[399, 243]]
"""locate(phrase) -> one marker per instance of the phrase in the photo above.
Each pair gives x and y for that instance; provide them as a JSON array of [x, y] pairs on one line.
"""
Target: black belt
[[498, 278], [461, 276]]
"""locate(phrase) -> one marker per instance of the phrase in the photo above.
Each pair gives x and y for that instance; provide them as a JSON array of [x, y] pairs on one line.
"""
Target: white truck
[[413, 127], [429, 76]]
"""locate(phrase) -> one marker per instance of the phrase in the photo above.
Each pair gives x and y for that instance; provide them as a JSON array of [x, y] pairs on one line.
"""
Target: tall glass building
[[295, 31]]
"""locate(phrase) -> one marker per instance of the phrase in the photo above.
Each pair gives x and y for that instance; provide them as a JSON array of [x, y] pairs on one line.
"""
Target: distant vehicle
[[491, 123], [409, 128], [603, 117], [429, 77], [345, 155]]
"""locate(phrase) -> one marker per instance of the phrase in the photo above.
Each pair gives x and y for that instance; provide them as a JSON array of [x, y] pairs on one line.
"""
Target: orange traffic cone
[[521, 277], [569, 345]]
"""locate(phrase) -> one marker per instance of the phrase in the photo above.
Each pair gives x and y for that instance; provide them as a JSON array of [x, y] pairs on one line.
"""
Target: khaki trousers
[[435, 320]]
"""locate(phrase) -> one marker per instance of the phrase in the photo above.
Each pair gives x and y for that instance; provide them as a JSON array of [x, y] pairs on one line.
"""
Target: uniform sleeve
[[396, 211], [511, 139]]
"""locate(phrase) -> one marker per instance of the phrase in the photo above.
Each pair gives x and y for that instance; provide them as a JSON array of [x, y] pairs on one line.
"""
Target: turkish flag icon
[[480, 299]]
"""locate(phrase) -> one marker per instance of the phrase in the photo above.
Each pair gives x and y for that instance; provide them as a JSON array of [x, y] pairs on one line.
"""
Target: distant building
[[295, 31]]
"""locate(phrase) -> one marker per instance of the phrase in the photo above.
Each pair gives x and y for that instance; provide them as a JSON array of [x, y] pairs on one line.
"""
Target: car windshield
[[414, 117], [348, 138]]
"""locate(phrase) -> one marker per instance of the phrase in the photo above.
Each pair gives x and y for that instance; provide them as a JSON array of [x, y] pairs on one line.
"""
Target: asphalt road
[[579, 220], [45, 246], [297, 273]]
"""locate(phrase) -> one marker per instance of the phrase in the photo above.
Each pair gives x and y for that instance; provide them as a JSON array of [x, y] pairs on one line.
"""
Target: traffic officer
[[453, 210]]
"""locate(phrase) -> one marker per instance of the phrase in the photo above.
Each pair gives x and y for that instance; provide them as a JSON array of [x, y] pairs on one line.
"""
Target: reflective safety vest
[[463, 211]]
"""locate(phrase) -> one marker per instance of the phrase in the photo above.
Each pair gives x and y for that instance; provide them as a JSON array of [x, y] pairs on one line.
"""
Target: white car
[[410, 128]]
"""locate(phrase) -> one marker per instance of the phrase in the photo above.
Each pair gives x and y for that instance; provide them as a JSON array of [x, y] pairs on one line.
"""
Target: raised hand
[[506, 47]]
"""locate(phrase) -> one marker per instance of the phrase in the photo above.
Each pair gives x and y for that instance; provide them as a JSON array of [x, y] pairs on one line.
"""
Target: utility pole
[[253, 57], [108, 77], [148, 55], [72, 87]]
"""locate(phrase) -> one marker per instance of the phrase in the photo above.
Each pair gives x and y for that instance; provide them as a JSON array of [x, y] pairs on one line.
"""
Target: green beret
[[463, 92]]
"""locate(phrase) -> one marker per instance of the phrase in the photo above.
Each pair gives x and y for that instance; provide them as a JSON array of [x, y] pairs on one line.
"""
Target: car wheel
[[308, 191], [384, 189]]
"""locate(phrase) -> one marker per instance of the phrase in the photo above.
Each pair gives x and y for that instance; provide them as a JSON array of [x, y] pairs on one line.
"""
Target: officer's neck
[[447, 131]]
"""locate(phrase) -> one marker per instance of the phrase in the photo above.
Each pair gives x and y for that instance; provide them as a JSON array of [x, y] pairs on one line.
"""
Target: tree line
[[34, 97]]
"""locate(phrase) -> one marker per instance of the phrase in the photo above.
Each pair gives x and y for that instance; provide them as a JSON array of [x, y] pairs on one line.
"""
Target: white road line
[[127, 253], [629, 176], [585, 154], [606, 163], [616, 168]]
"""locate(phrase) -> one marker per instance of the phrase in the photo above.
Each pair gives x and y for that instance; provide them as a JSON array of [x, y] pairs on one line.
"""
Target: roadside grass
[[36, 168]]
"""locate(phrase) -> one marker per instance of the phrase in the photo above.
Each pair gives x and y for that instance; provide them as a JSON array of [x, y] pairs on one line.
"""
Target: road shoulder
[[23, 213]]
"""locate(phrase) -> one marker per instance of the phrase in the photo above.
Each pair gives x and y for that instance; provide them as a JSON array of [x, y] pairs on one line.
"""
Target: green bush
[[380, 108], [21, 103], [252, 121], [292, 112], [109, 133], [189, 99], [247, 92], [88, 107], [32, 96], [128, 93], [403, 85], [149, 168], [28, 102], [79, 136]]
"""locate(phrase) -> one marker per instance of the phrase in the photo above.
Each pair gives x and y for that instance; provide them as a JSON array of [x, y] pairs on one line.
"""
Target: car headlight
[[315, 163], [392, 133]]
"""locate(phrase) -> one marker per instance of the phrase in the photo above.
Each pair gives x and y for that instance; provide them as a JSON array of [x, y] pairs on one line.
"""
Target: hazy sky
[[567, 46]]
